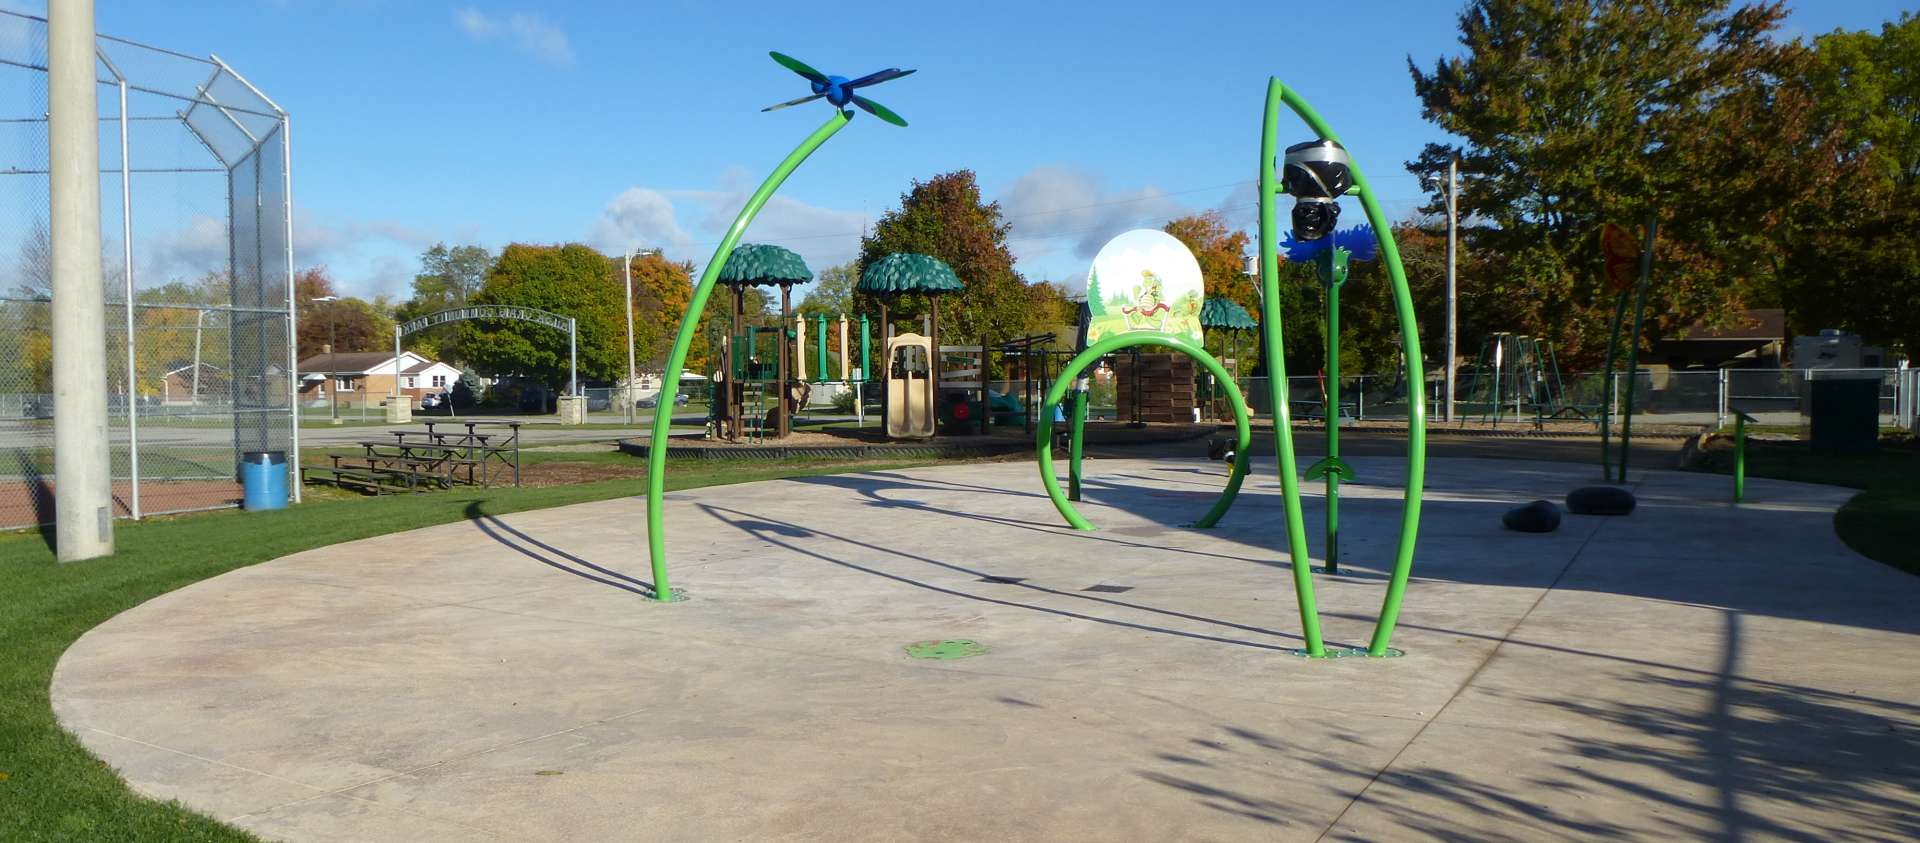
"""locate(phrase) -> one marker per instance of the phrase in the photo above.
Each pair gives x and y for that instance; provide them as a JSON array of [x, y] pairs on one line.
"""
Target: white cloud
[[1061, 216], [365, 257], [688, 224], [529, 33], [640, 217], [1060, 213]]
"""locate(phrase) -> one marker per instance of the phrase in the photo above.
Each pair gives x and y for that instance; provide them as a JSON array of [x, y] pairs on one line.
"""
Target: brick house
[[363, 377]]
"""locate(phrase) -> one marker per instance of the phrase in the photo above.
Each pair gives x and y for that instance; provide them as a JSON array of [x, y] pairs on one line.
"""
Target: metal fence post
[[1720, 414], [126, 256]]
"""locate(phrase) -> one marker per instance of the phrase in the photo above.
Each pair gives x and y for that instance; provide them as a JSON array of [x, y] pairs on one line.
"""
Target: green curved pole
[[689, 325], [1409, 343], [1277, 373], [1043, 432]]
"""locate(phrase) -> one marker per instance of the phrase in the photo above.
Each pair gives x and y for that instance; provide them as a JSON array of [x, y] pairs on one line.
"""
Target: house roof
[[364, 362], [1760, 324]]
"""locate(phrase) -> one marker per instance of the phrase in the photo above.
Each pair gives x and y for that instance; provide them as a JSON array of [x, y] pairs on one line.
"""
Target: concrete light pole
[[83, 479], [631, 376], [1452, 197]]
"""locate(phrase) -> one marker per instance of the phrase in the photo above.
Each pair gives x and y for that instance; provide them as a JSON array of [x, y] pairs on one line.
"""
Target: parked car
[[598, 401], [650, 401], [434, 400]]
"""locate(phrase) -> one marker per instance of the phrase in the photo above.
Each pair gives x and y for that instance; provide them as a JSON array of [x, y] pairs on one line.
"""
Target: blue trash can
[[263, 479]]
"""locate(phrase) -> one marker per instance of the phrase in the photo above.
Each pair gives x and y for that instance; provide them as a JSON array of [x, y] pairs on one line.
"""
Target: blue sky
[[617, 123]]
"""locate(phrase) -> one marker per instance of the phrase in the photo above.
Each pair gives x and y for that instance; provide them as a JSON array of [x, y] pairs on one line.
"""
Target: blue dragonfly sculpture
[[839, 89]]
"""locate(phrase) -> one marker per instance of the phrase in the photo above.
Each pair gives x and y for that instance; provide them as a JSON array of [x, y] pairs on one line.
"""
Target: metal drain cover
[[953, 648]]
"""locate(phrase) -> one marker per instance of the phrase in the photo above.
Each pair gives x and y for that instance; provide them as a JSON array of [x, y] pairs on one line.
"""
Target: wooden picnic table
[[460, 452]]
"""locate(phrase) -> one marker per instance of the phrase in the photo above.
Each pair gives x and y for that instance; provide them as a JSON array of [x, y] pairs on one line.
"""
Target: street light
[[628, 392], [333, 355]]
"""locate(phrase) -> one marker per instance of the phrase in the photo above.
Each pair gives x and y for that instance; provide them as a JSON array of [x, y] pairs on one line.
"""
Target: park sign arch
[[495, 311]]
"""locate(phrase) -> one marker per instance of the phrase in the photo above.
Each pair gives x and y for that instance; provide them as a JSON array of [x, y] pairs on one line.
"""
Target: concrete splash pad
[[1693, 670]]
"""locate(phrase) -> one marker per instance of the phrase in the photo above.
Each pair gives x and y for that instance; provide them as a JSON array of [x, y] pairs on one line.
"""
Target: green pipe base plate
[[674, 595], [955, 648], [1349, 653]]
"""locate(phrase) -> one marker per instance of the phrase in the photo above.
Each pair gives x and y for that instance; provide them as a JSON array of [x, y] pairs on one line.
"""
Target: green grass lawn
[[51, 788], [1882, 522]]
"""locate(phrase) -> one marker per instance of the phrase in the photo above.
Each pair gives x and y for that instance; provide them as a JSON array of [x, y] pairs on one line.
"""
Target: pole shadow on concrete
[[778, 533], [550, 556]]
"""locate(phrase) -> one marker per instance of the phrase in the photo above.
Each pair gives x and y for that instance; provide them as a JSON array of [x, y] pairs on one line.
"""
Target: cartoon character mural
[[1163, 293]]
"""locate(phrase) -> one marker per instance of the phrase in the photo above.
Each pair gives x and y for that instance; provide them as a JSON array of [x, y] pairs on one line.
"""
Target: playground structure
[[911, 370], [745, 378], [1146, 308], [1228, 317], [1515, 376]]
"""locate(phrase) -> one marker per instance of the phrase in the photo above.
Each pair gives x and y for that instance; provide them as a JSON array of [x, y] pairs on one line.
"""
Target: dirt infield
[[27, 502]]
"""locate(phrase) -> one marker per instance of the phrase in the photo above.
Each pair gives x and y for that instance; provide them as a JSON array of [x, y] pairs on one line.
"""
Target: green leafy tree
[[1577, 114], [946, 217], [1050, 308], [570, 280], [832, 291], [468, 390], [448, 278], [1855, 260]]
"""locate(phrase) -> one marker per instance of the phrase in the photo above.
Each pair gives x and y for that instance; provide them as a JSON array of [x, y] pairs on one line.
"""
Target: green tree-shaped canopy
[[1224, 313], [909, 272], [761, 265]]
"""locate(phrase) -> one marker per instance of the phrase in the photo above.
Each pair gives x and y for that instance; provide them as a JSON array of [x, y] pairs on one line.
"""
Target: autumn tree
[[661, 291], [448, 278], [946, 217], [569, 280], [346, 323], [1578, 114]]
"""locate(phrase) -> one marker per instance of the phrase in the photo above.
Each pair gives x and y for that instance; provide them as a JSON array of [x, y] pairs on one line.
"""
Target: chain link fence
[[1776, 397], [197, 265]]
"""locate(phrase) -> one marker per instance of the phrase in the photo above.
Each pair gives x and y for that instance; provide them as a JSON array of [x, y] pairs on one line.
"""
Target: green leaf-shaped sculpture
[[761, 265], [1227, 314], [909, 272]]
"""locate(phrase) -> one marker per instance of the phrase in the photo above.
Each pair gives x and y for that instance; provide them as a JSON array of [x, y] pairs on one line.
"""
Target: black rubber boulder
[[1600, 500], [1536, 517]]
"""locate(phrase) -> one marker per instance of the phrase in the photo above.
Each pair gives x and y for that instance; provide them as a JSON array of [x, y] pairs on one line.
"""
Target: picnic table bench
[[461, 451]]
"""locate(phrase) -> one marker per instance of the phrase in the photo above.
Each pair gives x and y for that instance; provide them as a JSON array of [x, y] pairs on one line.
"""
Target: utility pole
[[83, 479], [333, 355], [1453, 228]]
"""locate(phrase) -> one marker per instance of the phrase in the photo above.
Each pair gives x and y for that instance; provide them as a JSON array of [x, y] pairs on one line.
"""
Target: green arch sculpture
[[682, 341], [1043, 432], [1270, 188]]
